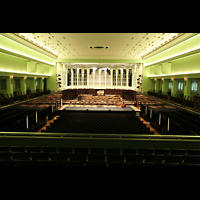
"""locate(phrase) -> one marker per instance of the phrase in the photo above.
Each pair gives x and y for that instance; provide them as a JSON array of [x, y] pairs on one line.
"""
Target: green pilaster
[[187, 87], [157, 85], [23, 84], [41, 85], [165, 86], [9, 82], [51, 81], [174, 87]]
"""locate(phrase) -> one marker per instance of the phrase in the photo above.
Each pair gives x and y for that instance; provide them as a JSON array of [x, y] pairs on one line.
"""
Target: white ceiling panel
[[121, 45]]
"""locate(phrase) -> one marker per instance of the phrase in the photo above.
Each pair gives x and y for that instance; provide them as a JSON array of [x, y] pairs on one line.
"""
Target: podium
[[100, 93]]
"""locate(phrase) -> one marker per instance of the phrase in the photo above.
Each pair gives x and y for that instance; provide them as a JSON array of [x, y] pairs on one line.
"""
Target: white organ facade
[[98, 76]]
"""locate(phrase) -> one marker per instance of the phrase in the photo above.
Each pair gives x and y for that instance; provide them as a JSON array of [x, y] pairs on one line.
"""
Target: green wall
[[18, 67], [43, 64], [147, 83], [10, 45], [181, 48], [12, 63], [187, 63]]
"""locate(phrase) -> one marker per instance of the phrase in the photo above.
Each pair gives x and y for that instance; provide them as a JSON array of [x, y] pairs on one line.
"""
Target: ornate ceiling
[[108, 45]]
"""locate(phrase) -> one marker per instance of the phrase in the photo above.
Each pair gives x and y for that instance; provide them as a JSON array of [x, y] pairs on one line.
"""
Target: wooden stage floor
[[95, 108]]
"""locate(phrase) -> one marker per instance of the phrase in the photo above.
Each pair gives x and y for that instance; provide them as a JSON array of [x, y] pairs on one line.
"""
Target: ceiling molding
[[180, 38], [17, 38]]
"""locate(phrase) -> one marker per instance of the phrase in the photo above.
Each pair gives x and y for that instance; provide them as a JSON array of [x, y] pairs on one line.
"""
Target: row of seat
[[17, 97], [171, 122], [14, 118], [98, 122], [90, 97], [65, 156], [190, 103], [182, 122], [94, 102], [115, 151]]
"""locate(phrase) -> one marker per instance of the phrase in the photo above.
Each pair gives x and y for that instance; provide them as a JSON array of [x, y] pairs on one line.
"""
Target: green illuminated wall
[[189, 61], [19, 61], [182, 48], [10, 45], [17, 57]]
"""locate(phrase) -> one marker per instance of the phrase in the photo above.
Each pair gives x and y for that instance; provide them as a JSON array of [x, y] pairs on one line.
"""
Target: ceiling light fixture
[[18, 72], [98, 47]]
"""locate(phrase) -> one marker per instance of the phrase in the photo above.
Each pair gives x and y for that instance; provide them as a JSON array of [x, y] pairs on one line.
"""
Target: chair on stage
[[118, 104]]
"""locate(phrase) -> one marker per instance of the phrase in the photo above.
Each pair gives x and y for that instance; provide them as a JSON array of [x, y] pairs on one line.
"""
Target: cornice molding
[[17, 38], [180, 38]]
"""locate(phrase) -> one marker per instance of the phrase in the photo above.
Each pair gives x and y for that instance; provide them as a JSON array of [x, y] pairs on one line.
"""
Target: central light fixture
[[98, 47]]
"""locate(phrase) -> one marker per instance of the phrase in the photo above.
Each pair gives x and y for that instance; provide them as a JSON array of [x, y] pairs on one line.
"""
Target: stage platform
[[95, 108]]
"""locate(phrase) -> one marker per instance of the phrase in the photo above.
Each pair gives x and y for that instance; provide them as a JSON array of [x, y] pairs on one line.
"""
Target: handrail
[[97, 136]]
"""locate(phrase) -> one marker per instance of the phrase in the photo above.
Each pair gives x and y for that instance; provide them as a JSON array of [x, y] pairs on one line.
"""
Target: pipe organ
[[119, 76]]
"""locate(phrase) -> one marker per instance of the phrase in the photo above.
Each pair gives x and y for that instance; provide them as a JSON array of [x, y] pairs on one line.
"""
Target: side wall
[[20, 62], [186, 68]]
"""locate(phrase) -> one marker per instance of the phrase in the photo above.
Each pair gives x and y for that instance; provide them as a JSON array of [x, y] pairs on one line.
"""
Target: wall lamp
[[185, 79]]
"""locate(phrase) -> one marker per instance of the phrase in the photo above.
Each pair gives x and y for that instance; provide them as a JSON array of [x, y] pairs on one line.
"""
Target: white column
[[116, 76], [99, 78], [88, 73], [77, 77], [105, 77], [93, 77], [111, 72], [121, 76]]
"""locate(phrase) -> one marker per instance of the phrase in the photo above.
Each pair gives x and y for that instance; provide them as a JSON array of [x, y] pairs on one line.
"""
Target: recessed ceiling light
[[98, 47]]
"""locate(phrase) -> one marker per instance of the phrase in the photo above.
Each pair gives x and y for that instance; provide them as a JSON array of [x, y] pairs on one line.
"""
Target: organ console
[[100, 92]]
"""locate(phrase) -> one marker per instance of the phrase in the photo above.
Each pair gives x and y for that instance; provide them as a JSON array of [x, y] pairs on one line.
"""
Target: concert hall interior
[[99, 99]]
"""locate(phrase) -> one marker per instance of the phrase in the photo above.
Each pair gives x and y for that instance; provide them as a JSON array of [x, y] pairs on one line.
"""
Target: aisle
[[149, 126]]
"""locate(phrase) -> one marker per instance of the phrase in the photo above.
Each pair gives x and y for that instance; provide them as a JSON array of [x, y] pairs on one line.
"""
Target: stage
[[95, 108], [101, 102]]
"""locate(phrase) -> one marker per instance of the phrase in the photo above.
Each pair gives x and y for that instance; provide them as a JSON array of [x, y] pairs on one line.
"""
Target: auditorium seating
[[183, 101], [98, 122], [15, 119], [181, 122], [73, 156], [18, 97]]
